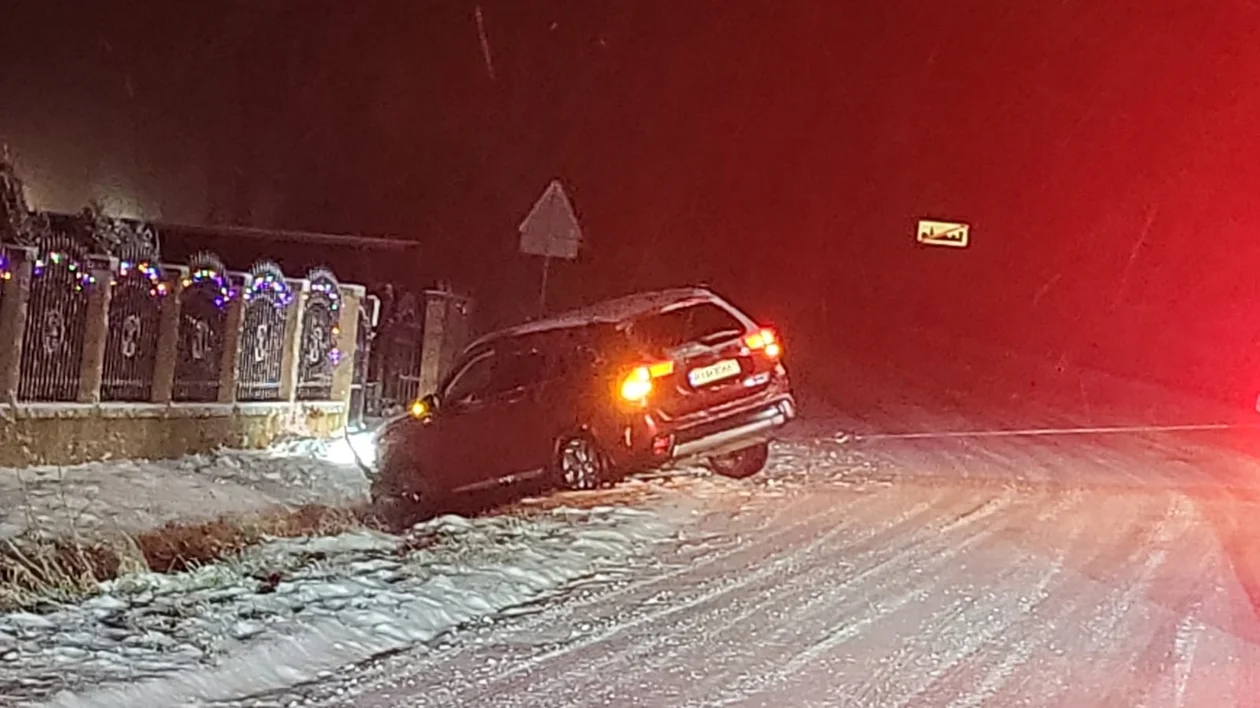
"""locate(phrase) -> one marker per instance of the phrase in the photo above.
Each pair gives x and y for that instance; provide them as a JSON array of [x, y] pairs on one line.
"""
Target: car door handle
[[516, 395]]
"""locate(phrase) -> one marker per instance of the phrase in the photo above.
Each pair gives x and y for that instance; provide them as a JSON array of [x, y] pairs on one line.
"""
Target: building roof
[[289, 235]]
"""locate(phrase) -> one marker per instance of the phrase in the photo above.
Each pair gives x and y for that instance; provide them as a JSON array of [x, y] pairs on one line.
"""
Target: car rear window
[[703, 322]]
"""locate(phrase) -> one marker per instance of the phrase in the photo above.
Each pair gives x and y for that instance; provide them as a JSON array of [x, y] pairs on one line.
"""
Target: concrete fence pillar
[[166, 355], [291, 357], [15, 295], [96, 332], [346, 341], [435, 307], [229, 372]]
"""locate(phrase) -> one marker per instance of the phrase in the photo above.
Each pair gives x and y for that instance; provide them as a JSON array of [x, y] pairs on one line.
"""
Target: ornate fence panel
[[131, 343], [319, 354], [268, 297], [52, 351], [402, 344], [202, 328]]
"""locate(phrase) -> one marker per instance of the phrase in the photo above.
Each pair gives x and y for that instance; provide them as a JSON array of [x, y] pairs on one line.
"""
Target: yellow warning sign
[[944, 233]]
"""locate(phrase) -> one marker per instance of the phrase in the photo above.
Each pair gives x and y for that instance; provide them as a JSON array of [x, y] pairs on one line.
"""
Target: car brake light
[[764, 340], [638, 383]]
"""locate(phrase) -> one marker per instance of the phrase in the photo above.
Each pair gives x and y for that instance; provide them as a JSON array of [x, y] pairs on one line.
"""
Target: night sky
[[1106, 153]]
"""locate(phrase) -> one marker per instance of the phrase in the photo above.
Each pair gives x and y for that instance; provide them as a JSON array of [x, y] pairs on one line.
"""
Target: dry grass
[[36, 571]]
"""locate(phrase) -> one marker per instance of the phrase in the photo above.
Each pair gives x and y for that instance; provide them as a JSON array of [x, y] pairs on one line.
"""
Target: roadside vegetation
[[40, 572]]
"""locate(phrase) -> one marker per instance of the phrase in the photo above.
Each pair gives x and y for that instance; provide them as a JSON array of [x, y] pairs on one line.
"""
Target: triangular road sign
[[551, 227]]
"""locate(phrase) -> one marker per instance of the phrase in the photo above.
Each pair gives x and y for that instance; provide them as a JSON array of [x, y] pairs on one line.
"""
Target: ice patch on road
[[227, 632]]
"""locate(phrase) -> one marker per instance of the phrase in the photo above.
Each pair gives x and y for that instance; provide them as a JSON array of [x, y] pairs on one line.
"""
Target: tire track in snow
[[1051, 673], [803, 513], [1185, 645], [1031, 629], [1038, 595], [959, 614], [1135, 612], [761, 538], [1174, 640], [978, 630], [943, 551], [742, 582], [925, 544]]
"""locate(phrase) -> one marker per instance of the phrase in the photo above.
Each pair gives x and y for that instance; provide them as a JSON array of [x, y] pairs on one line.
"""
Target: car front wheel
[[741, 463], [399, 495]]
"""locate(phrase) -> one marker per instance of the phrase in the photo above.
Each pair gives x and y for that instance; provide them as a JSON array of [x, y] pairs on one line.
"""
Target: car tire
[[742, 463], [580, 464], [399, 495]]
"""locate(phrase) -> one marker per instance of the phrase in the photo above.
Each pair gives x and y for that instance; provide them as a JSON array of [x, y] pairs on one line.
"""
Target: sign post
[[943, 233], [550, 230]]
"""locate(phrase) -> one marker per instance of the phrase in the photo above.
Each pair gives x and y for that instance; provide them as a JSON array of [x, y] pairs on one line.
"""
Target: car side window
[[577, 359], [519, 369], [473, 382], [569, 354]]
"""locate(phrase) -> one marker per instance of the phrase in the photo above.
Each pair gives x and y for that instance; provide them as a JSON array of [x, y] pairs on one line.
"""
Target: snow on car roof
[[611, 311]]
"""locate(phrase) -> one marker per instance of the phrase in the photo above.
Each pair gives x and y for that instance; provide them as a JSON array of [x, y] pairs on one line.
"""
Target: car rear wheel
[[742, 463], [580, 464]]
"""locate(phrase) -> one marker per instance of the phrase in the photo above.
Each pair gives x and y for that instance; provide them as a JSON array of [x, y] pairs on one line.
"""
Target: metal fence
[[131, 341], [260, 363], [99, 319], [279, 335], [319, 355], [398, 354], [203, 302], [402, 343], [56, 319], [365, 396]]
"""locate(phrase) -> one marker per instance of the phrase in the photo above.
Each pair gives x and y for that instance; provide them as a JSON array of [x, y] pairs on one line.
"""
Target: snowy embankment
[[293, 610], [128, 496], [284, 611]]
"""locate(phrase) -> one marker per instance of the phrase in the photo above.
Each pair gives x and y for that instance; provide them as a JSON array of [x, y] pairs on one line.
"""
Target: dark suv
[[591, 395]]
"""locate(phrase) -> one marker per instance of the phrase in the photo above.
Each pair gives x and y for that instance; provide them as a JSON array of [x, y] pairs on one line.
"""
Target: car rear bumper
[[732, 431]]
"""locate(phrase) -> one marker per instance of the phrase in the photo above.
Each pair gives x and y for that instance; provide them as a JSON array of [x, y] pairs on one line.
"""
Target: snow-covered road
[[1106, 569], [1082, 570], [888, 557]]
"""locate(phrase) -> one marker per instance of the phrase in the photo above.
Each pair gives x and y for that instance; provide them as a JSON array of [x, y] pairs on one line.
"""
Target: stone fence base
[[67, 434]]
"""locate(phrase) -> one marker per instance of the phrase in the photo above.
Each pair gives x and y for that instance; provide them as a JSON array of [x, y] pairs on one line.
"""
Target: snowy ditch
[[294, 610]]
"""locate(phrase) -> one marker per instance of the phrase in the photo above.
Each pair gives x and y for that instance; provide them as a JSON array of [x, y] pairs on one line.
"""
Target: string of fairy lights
[[219, 283], [147, 271], [268, 285]]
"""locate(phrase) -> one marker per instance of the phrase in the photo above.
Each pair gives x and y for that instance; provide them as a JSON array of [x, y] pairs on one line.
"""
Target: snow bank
[[136, 495], [290, 610]]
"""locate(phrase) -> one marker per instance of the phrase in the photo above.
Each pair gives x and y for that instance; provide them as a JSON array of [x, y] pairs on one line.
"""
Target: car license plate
[[705, 375]]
